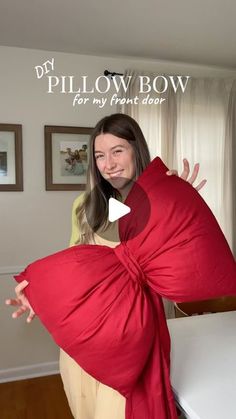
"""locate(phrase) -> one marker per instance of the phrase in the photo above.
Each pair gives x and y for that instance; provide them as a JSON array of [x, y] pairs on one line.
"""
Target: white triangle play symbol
[[116, 209]]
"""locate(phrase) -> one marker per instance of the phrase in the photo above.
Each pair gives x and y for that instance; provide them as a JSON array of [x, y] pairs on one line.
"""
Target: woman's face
[[115, 161]]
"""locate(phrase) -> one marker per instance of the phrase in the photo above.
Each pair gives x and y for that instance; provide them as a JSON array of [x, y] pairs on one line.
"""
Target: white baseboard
[[11, 270], [29, 371]]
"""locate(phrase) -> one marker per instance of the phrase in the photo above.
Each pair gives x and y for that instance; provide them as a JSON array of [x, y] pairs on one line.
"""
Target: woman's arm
[[74, 223], [22, 302]]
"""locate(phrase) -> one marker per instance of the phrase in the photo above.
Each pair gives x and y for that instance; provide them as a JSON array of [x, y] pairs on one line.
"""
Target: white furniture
[[203, 365]]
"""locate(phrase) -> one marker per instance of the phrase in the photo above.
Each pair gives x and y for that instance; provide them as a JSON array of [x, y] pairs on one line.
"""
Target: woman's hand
[[185, 174], [22, 302]]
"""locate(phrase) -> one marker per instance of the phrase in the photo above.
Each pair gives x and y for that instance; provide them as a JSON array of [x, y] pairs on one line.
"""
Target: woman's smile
[[115, 174]]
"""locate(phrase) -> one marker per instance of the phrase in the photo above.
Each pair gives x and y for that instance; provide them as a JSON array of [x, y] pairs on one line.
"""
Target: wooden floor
[[37, 398]]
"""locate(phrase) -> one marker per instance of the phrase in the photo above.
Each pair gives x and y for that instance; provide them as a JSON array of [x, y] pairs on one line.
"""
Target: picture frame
[[66, 157], [11, 158]]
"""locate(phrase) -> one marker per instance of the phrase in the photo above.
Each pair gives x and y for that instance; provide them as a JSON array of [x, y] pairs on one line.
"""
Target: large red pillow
[[181, 250], [103, 306]]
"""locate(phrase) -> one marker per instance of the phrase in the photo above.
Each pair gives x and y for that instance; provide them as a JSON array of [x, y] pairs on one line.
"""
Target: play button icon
[[116, 209], [122, 221]]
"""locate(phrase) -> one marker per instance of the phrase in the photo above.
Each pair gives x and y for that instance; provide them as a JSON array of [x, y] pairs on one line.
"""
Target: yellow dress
[[87, 398]]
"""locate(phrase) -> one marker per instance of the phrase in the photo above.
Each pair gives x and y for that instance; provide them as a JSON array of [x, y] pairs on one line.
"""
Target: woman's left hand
[[185, 174]]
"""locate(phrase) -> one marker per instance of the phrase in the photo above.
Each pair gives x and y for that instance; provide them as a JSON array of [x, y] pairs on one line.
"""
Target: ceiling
[[200, 32]]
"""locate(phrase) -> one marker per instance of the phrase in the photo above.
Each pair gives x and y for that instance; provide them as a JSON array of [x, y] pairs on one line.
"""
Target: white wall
[[35, 223]]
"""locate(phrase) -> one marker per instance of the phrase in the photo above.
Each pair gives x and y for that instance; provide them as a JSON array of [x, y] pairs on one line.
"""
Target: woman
[[118, 155]]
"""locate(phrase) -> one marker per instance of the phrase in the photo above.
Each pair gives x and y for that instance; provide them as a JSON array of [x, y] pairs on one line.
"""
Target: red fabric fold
[[103, 306]]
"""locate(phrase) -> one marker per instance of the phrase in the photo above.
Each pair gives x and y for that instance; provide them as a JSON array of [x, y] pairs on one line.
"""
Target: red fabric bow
[[103, 306]]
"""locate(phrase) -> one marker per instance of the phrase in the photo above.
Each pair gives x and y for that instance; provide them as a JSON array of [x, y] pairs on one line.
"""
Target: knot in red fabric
[[130, 263]]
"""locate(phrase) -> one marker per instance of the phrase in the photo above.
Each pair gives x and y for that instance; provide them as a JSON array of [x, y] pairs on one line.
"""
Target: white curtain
[[149, 117], [199, 124], [229, 190], [201, 137]]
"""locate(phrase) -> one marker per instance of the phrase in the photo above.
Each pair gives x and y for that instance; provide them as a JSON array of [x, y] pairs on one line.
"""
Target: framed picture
[[11, 167], [66, 157]]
